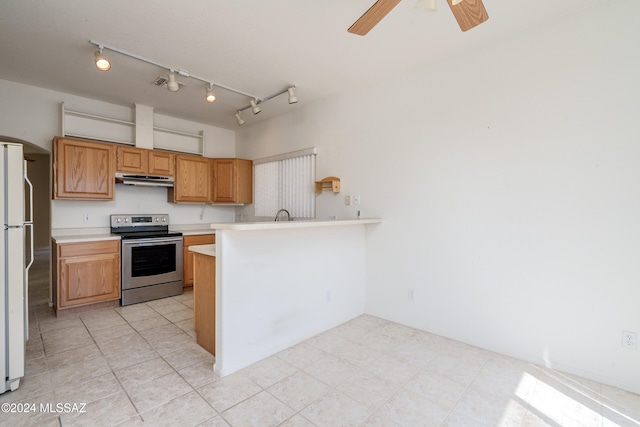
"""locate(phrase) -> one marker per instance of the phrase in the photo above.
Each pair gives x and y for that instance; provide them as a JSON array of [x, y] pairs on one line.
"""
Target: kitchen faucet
[[285, 211]]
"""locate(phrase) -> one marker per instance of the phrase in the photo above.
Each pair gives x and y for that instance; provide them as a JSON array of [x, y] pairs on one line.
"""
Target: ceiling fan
[[468, 13]]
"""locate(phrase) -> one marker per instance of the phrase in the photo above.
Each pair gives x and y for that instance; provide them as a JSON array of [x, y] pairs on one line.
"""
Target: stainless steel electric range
[[151, 257]]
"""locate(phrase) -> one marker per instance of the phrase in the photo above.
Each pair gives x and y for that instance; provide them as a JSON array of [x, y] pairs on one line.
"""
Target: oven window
[[152, 260]]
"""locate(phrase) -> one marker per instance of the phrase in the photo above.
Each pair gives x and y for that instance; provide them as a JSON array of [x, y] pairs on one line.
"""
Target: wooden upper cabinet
[[133, 160], [232, 181], [83, 170], [161, 163], [139, 160], [192, 180]]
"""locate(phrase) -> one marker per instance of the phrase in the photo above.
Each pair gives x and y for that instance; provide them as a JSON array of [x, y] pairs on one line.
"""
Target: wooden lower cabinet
[[87, 274], [187, 255], [204, 299]]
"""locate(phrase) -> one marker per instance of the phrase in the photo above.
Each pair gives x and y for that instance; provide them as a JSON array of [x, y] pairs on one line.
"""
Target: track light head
[[211, 97], [239, 119], [172, 84], [254, 107], [292, 96], [102, 63]]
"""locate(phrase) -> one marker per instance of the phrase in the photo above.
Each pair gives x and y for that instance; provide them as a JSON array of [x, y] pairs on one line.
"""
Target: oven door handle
[[152, 241]]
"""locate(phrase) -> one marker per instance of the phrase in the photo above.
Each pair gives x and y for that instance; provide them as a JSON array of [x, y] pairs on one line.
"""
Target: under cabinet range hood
[[144, 180]]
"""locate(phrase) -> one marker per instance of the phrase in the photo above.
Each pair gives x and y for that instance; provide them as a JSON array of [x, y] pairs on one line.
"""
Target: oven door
[[151, 261]]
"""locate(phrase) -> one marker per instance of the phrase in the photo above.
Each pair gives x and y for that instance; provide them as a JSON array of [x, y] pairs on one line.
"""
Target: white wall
[[132, 200], [264, 304], [33, 114], [508, 181]]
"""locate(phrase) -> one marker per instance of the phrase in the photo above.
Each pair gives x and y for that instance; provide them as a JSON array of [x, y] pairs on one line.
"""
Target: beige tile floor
[[140, 365]]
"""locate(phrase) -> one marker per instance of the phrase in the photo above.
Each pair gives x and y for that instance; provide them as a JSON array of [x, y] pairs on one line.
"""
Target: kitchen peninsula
[[279, 283]]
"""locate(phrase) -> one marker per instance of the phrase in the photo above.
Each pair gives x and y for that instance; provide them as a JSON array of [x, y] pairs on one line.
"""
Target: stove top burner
[[141, 226]]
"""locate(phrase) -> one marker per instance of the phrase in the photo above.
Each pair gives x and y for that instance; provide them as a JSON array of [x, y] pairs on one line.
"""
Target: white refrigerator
[[13, 265]]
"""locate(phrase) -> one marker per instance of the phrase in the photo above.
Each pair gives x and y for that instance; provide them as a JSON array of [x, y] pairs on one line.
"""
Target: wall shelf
[[182, 142], [92, 126], [330, 183]]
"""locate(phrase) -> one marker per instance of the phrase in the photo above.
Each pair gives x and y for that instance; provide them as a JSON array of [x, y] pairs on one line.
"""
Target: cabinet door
[[129, 159], [161, 163], [204, 302], [244, 190], [87, 273], [83, 170], [192, 180], [224, 180], [233, 181], [187, 255], [86, 280]]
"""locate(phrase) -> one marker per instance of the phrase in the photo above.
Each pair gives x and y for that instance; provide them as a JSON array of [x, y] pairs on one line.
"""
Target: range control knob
[[118, 219], [164, 219], [126, 220]]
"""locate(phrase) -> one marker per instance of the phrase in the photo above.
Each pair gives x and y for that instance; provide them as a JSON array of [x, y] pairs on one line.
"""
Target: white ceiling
[[255, 46]]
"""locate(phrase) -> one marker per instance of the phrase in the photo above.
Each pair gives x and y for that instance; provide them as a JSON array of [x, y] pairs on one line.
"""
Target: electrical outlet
[[356, 199], [347, 200], [85, 217], [411, 294], [630, 340]]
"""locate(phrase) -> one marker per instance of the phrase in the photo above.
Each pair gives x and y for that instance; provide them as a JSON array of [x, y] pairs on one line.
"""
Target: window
[[286, 182]]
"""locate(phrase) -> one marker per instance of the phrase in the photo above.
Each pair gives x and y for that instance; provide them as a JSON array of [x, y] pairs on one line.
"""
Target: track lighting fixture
[[102, 62], [172, 84], [211, 97], [292, 96], [239, 118], [254, 107], [253, 104]]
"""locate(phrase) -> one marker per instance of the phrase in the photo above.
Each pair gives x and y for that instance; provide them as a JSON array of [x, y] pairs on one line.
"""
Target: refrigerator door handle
[[28, 223], [26, 179], [26, 282]]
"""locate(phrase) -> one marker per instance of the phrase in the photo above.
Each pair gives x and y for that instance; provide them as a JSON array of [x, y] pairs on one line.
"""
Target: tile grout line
[[138, 412], [111, 367]]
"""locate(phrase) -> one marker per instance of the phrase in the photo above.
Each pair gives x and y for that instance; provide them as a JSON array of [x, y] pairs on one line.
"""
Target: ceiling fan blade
[[372, 16], [468, 13]]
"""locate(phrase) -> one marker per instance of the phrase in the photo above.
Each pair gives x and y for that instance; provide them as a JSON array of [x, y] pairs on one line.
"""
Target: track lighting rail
[[183, 73], [103, 64], [261, 100]]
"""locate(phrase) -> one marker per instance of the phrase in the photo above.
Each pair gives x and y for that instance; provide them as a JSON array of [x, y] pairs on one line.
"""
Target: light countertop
[[81, 238], [274, 225], [195, 232], [80, 235], [209, 250]]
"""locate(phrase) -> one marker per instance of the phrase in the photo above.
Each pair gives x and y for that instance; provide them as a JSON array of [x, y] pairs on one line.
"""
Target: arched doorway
[[39, 172]]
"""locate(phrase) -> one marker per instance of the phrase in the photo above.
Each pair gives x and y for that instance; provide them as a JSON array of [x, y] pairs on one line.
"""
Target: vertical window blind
[[286, 182]]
